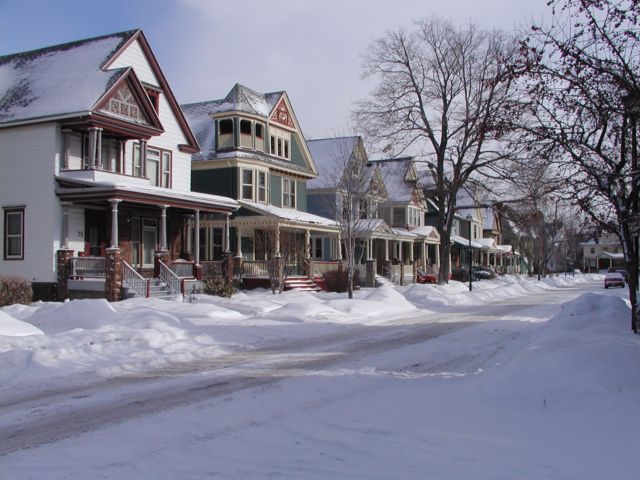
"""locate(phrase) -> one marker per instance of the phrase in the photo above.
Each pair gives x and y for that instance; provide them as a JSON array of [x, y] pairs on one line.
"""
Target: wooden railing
[[182, 268], [88, 267], [256, 268], [322, 267], [134, 280], [170, 278]]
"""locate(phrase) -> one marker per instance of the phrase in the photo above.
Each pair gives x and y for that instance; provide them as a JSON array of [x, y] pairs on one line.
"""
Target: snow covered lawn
[[541, 392]]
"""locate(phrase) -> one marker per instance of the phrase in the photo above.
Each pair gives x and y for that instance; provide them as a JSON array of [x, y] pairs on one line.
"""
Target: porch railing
[[182, 268], [135, 281], [212, 268], [256, 268], [88, 267], [170, 278], [321, 267]]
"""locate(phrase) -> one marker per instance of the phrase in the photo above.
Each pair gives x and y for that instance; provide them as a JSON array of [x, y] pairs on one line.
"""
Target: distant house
[[253, 150], [602, 253], [96, 161]]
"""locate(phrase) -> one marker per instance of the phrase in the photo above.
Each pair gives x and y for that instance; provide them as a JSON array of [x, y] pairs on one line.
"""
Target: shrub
[[217, 287], [336, 280], [15, 290]]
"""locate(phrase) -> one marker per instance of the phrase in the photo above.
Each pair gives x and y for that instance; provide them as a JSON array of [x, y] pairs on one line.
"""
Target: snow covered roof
[[401, 232], [61, 80], [505, 248], [70, 187], [428, 232], [464, 241], [394, 171], [244, 99], [487, 243], [331, 156], [288, 214]]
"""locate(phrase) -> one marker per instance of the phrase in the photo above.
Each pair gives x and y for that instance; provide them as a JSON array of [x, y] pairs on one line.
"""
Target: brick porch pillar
[[227, 268], [63, 270], [113, 270], [370, 276]]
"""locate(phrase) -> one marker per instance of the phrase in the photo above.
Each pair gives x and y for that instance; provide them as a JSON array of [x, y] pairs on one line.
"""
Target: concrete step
[[304, 284]]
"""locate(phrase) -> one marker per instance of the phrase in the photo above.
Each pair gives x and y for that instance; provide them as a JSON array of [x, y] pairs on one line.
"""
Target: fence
[[134, 280], [182, 269], [88, 267]]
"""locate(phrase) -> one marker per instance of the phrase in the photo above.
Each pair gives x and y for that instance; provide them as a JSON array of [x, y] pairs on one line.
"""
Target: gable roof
[[331, 156], [394, 174], [58, 81], [71, 79]]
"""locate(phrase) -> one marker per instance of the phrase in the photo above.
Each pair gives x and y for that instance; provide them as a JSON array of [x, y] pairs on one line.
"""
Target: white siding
[[134, 57], [28, 161], [172, 137]]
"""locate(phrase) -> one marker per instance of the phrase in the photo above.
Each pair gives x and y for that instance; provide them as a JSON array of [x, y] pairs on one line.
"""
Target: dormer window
[[279, 142], [259, 136], [154, 96], [225, 133]]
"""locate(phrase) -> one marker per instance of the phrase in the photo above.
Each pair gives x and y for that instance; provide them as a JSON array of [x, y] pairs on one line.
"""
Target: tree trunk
[[444, 249]]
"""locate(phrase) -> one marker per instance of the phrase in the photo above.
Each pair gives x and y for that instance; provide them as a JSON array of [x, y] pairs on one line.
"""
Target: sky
[[313, 50]]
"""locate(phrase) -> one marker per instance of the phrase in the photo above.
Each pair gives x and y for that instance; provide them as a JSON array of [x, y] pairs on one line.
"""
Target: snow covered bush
[[15, 290], [217, 287]]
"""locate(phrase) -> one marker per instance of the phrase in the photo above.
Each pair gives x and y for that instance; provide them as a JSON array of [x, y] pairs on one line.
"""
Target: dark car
[[614, 279]]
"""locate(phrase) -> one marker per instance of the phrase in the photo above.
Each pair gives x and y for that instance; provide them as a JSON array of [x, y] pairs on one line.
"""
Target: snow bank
[[11, 327]]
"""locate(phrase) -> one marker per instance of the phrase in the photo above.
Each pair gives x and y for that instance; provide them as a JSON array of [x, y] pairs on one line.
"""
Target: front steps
[[157, 289], [301, 283]]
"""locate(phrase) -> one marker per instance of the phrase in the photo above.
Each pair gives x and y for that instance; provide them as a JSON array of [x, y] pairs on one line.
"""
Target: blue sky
[[310, 49]]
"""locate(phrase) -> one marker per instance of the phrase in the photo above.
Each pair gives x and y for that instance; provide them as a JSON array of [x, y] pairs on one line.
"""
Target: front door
[[149, 241]]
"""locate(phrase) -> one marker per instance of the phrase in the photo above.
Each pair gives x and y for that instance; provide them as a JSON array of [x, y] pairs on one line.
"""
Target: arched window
[[246, 134], [225, 133]]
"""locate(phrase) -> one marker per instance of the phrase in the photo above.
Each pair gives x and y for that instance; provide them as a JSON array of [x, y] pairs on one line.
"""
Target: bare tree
[[280, 249], [580, 81], [438, 93]]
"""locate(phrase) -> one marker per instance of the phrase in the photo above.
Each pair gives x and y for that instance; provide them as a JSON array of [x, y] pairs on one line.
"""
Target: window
[[247, 184], [111, 155], [225, 133], [153, 166], [154, 96], [246, 136], [279, 142], [317, 248], [593, 250], [363, 209], [288, 193], [137, 161], [259, 136], [262, 186], [14, 234], [166, 169], [399, 216]]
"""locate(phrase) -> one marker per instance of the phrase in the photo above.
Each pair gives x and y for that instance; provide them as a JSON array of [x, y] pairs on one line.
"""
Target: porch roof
[[304, 219], [374, 228], [613, 256], [464, 241], [487, 244], [429, 233], [86, 190]]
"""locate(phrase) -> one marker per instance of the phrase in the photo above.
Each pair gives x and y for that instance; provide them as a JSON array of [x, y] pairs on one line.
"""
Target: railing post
[[63, 270]]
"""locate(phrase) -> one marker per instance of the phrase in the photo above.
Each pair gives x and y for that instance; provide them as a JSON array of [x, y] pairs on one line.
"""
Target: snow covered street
[[519, 379]]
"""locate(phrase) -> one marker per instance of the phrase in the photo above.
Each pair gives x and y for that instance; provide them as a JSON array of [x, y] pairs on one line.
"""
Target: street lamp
[[469, 218]]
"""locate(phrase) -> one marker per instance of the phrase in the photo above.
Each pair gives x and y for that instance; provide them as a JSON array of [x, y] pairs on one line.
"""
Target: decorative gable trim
[[192, 144], [281, 114]]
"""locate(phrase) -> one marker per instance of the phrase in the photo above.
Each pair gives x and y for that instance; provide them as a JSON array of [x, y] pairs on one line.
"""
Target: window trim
[[243, 184], [5, 235], [290, 194], [161, 165], [260, 188]]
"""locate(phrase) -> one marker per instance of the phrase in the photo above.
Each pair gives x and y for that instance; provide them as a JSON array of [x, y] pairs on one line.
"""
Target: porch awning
[[374, 228], [430, 234], [505, 250], [612, 256], [289, 216], [487, 244], [75, 190], [405, 235], [464, 242]]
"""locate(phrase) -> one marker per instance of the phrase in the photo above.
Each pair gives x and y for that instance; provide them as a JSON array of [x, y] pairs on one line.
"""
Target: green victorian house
[[253, 150]]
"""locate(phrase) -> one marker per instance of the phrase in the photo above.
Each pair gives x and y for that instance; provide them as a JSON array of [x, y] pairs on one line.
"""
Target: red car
[[613, 279]]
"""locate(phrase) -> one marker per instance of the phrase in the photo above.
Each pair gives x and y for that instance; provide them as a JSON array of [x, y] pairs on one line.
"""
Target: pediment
[[124, 104], [281, 115]]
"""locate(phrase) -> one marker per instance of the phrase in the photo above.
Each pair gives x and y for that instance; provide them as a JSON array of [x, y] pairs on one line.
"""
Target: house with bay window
[[253, 151], [96, 161]]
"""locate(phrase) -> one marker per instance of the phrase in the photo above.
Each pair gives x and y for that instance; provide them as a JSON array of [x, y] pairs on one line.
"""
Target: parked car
[[622, 272], [614, 279], [482, 273]]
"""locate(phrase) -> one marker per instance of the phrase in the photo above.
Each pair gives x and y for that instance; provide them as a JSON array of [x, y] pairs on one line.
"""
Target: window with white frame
[[317, 248], [153, 166], [158, 165], [14, 233], [166, 169], [246, 133], [262, 186], [137, 161], [399, 216], [225, 133], [280, 143], [247, 184], [288, 193]]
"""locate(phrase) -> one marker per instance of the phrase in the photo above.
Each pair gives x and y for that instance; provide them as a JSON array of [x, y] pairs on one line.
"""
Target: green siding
[[297, 158], [276, 190], [301, 195], [219, 181]]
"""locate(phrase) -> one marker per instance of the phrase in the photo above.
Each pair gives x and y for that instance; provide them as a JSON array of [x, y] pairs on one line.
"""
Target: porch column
[[163, 228], [367, 254], [227, 240], [307, 243], [277, 247], [238, 242], [411, 252], [339, 246], [114, 222], [196, 238], [438, 255], [400, 251], [66, 147], [424, 255], [65, 226], [98, 158], [93, 140], [143, 157]]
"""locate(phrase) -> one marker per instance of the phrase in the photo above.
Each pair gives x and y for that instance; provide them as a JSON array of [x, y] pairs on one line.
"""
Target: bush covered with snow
[[337, 280], [15, 290], [217, 287]]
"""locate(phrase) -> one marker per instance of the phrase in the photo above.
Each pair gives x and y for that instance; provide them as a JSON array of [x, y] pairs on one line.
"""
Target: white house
[[96, 157]]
